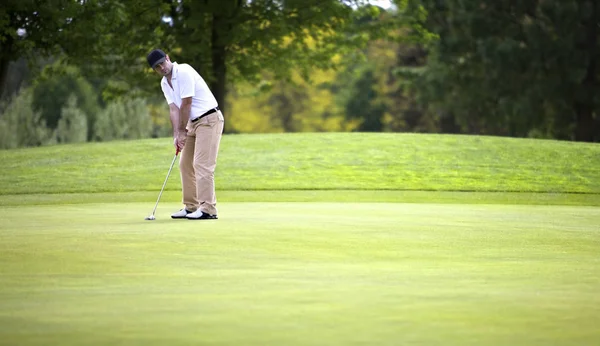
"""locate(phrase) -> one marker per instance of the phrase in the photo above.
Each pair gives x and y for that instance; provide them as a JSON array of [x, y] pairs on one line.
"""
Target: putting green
[[300, 274]]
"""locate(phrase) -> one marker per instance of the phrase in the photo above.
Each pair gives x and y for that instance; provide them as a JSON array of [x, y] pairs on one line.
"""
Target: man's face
[[165, 67]]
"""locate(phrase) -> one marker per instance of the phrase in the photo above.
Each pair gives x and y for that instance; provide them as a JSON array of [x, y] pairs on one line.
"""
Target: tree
[[226, 41], [30, 28], [17, 76], [286, 101], [55, 86], [296, 105], [238, 39], [109, 39], [506, 67], [364, 103]]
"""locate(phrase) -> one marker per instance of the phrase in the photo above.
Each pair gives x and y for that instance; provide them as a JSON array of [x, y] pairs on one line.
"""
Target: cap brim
[[159, 61]]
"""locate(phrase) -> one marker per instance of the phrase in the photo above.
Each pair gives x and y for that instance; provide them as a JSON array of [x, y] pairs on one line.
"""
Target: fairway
[[322, 239], [300, 274]]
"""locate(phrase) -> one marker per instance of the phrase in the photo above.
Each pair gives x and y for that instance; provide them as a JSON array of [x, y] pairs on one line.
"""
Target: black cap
[[156, 57]]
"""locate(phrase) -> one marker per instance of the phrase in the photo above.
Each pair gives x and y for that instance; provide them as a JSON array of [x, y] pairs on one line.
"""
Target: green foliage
[[33, 29], [374, 91], [72, 126], [247, 38], [126, 119], [53, 89], [318, 100], [8, 130], [110, 39], [139, 122], [511, 68], [161, 122], [41, 22], [364, 103], [295, 105], [508, 68], [226, 41], [21, 125]]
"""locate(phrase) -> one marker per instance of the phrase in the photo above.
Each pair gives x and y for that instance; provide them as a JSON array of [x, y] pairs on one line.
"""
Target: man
[[197, 128]]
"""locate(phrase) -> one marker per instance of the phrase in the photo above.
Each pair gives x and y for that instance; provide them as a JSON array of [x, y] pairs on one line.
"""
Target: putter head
[[151, 217]]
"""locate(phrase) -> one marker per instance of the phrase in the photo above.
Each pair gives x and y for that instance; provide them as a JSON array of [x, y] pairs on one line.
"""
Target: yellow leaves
[[246, 115], [254, 109]]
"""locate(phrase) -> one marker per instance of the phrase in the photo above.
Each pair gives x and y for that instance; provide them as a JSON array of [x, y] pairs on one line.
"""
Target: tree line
[[521, 69]]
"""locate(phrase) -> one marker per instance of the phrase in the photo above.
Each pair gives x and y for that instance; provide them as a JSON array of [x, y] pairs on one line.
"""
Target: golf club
[[151, 217]]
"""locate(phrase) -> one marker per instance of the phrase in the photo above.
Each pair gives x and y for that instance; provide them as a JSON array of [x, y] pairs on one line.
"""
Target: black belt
[[210, 111]]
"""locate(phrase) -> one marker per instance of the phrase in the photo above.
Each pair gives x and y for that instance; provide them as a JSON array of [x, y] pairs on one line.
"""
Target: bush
[[21, 126], [53, 88], [128, 119], [138, 119], [72, 126], [161, 123]]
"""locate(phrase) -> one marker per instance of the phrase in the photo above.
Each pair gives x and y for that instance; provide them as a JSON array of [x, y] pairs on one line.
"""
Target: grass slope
[[301, 274], [327, 161]]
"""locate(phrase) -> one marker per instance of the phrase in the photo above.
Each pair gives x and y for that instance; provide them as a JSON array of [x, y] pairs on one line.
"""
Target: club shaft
[[164, 184]]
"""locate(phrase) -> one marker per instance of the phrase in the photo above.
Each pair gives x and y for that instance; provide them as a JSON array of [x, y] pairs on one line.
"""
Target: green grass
[[323, 239], [330, 161], [341, 196], [301, 274]]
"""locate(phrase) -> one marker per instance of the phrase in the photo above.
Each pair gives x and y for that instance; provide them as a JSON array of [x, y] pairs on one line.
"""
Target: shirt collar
[[175, 70]]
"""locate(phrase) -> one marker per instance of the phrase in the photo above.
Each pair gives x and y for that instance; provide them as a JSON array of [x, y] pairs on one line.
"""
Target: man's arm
[[174, 115], [184, 113], [180, 122]]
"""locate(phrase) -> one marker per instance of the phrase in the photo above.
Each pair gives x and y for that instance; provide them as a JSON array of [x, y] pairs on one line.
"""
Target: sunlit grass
[[339, 161], [300, 274], [322, 239]]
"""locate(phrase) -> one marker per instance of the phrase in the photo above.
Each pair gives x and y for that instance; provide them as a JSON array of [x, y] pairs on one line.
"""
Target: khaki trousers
[[198, 162]]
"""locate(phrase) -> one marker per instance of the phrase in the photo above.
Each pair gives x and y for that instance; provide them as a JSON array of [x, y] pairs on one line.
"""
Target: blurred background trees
[[75, 71], [515, 68]]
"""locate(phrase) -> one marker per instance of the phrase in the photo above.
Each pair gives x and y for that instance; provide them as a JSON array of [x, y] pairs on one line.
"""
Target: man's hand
[[179, 141]]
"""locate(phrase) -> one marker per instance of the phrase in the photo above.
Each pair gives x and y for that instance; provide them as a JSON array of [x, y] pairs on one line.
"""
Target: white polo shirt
[[188, 83]]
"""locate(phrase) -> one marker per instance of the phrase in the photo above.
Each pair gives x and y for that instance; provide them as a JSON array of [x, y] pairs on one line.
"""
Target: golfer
[[197, 128]]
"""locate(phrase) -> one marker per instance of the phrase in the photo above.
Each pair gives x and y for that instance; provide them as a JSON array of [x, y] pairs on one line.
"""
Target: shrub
[[72, 126], [161, 123], [20, 125], [128, 119], [53, 88], [138, 119]]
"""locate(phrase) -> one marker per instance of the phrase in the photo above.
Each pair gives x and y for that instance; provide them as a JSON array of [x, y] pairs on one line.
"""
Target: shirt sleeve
[[168, 93], [187, 83]]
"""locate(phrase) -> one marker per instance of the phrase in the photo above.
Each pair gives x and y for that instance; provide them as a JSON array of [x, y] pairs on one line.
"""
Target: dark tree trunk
[[218, 61], [447, 122], [584, 130], [221, 28], [219, 68], [5, 56], [584, 107], [286, 114]]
